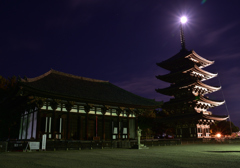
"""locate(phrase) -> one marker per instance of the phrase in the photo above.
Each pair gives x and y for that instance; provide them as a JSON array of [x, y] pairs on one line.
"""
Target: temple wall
[[36, 122]]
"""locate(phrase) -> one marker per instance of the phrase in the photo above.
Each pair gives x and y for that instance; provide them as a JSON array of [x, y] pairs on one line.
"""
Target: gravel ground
[[194, 156]]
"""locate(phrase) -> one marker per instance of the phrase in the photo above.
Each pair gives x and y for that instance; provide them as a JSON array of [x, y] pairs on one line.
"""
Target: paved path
[[226, 155]]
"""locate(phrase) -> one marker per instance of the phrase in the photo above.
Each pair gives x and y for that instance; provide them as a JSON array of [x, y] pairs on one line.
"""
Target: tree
[[151, 122], [8, 119], [145, 121]]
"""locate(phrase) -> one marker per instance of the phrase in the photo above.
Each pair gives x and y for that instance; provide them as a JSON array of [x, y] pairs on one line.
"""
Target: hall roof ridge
[[52, 71]]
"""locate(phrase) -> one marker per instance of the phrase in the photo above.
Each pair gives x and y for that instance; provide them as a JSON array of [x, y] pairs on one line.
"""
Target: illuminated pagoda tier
[[189, 107]]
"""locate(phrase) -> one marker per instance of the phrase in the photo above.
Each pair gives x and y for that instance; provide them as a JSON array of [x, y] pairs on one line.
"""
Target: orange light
[[218, 135]]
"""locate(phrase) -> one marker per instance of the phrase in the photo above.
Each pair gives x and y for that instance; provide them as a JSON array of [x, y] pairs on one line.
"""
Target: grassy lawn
[[209, 155]]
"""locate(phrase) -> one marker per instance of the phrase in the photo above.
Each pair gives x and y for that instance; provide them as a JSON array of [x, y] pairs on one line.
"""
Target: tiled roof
[[83, 89], [185, 59], [193, 116]]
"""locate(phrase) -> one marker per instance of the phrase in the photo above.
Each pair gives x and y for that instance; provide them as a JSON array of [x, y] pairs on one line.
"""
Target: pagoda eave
[[198, 59], [172, 66], [213, 103], [196, 71], [216, 118]]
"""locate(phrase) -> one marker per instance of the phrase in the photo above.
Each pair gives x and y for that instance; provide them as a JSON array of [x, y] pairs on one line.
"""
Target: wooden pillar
[[87, 109], [118, 122], [54, 124], [39, 105], [96, 126], [104, 109], [78, 127], [136, 123], [103, 128], [26, 124], [32, 124], [86, 126], [54, 105], [128, 134], [68, 107], [68, 125], [22, 125]]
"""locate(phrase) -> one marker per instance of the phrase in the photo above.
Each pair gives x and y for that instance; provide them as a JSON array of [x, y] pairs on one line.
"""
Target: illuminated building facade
[[69, 107]]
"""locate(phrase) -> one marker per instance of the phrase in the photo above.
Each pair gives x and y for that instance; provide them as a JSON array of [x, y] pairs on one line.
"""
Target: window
[[81, 109], [74, 109], [98, 111], [49, 128], [114, 112], [92, 110], [44, 107], [107, 112], [59, 108]]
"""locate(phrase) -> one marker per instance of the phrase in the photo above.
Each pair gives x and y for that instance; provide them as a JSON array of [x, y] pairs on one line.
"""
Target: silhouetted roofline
[[59, 73], [70, 87]]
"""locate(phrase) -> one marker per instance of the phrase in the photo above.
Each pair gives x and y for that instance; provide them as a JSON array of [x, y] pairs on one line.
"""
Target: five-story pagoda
[[189, 108]]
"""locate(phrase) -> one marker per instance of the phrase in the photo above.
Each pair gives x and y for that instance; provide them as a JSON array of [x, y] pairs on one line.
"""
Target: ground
[[209, 155]]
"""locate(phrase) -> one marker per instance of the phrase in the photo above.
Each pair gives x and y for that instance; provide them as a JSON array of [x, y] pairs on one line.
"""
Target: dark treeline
[[8, 117], [151, 123]]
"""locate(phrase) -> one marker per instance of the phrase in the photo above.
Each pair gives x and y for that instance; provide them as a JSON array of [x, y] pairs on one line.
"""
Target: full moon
[[183, 19]]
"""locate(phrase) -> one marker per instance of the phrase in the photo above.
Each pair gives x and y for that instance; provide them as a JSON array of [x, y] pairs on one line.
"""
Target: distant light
[[218, 135], [183, 19]]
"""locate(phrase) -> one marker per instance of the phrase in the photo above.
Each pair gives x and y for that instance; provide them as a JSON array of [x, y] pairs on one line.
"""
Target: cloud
[[226, 56], [230, 83], [145, 87], [213, 35]]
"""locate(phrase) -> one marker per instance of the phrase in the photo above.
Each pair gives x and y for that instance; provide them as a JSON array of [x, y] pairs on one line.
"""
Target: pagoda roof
[[200, 85], [216, 117], [172, 76], [172, 103], [55, 84], [205, 74], [193, 116], [173, 89], [170, 91], [198, 59], [204, 100], [183, 74], [184, 57]]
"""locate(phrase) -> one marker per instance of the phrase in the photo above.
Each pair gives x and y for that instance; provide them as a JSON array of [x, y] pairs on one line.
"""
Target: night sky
[[121, 41]]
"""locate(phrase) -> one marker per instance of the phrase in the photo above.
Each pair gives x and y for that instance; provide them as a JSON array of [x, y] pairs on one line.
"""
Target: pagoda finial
[[182, 37], [183, 20]]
